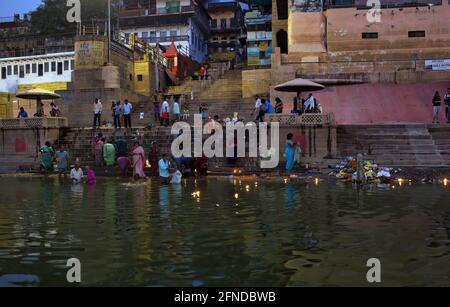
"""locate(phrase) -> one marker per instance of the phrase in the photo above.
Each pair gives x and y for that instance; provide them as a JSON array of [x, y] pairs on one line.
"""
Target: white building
[[49, 71], [185, 22]]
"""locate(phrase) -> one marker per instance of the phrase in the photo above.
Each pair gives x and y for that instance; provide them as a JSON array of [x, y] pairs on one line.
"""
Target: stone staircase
[[394, 144], [227, 87], [441, 137]]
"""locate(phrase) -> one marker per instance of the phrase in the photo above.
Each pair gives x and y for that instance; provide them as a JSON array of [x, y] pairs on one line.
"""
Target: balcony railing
[[383, 3], [33, 122], [167, 39], [307, 119]]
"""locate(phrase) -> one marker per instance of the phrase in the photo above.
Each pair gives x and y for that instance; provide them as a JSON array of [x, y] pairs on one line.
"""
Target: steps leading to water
[[396, 144]]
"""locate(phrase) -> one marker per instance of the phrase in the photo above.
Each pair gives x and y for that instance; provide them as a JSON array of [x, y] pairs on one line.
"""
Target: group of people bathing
[[170, 169], [61, 157]]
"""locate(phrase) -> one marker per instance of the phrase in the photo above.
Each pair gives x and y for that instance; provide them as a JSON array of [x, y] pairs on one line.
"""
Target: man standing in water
[[164, 169], [62, 157], [76, 174]]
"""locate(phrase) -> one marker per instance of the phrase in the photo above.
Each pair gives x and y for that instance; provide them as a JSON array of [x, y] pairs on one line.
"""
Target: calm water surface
[[273, 234]]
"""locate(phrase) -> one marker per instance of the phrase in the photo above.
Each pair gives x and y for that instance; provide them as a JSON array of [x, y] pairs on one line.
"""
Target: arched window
[[282, 41], [282, 9]]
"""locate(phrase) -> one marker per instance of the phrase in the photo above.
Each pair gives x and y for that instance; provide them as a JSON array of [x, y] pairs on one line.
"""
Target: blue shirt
[[23, 114], [176, 108], [163, 168], [127, 108]]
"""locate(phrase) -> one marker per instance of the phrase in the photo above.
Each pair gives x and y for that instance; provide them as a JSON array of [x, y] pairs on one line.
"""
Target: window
[[34, 68], [9, 70], [214, 24], [27, 69], [233, 22], [215, 39], [144, 35], [66, 65], [223, 23], [131, 77], [3, 72], [40, 70], [53, 66], [224, 38], [416, 33], [22, 71], [152, 33], [173, 33], [140, 78], [60, 68], [72, 64], [282, 9], [46, 67], [163, 34], [16, 70], [370, 35]]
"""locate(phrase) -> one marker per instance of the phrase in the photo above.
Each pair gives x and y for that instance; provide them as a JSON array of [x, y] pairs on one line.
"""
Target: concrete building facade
[[186, 22], [395, 48]]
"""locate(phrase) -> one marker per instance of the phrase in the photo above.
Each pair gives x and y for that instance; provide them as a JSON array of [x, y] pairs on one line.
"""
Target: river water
[[230, 234]]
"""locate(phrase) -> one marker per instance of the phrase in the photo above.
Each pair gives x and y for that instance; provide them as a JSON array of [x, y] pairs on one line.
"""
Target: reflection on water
[[273, 234]]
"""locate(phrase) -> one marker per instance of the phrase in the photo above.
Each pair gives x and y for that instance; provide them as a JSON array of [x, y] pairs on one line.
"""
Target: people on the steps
[[22, 113], [98, 109], [127, 108], [47, 154], [165, 113], [176, 111], [447, 105], [98, 150], [278, 106], [156, 109], [117, 113], [54, 112], [436, 107], [109, 153]]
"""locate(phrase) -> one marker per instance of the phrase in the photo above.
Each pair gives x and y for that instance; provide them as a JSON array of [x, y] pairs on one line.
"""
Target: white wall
[[12, 81]]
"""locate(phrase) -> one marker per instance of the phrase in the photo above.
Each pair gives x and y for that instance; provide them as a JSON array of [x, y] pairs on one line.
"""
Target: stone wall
[[255, 82]]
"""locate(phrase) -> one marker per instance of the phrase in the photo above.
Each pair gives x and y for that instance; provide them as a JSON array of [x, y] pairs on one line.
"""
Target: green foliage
[[50, 16]]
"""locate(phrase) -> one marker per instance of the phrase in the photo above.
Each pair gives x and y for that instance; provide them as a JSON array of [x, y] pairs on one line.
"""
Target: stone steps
[[392, 144]]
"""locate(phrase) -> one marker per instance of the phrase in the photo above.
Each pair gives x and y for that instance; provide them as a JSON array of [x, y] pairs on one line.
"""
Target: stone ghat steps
[[15, 163], [392, 144]]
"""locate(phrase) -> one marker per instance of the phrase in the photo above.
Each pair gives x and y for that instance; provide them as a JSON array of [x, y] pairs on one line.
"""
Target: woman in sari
[[46, 156], [290, 152], [138, 160]]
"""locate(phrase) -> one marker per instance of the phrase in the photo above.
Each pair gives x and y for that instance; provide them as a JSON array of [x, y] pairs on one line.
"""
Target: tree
[[50, 16]]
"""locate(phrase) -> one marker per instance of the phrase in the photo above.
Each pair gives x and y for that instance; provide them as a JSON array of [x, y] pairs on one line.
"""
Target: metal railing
[[34, 122], [307, 119], [167, 39]]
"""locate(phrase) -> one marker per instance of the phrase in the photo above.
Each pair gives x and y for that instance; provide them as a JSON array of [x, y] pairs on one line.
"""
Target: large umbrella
[[299, 85], [38, 95]]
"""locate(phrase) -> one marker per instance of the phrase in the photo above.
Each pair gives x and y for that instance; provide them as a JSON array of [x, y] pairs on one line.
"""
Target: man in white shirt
[[165, 110], [257, 105], [176, 111], [98, 109], [76, 174], [127, 107]]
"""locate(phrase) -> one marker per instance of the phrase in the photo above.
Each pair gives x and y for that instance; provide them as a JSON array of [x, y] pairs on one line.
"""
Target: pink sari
[[138, 155]]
